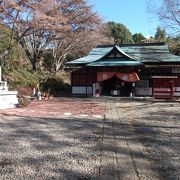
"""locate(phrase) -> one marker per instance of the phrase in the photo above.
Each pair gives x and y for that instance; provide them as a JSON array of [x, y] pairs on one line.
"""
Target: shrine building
[[127, 70]]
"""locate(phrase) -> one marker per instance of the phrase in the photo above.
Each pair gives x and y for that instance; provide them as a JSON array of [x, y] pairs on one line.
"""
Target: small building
[[126, 70]]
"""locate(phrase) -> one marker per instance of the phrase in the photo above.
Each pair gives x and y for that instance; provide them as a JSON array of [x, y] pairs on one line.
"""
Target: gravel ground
[[135, 140]]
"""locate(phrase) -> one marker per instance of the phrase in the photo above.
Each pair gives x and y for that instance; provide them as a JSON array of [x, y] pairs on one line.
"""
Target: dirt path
[[141, 141]]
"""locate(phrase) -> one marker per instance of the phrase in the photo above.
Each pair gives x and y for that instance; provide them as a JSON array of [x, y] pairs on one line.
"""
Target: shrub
[[23, 78], [53, 86]]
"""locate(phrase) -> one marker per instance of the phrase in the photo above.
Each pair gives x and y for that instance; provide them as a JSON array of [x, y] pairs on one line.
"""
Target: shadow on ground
[[59, 148]]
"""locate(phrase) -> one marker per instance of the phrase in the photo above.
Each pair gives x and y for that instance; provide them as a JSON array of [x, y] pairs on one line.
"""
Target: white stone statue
[[3, 84], [5, 87], [0, 74]]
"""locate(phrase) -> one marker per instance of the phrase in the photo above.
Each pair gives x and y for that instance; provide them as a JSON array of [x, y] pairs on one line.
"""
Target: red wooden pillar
[[152, 87], [172, 88]]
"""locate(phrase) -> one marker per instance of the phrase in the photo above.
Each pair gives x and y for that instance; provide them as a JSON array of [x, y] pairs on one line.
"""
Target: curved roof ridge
[[94, 55], [125, 54]]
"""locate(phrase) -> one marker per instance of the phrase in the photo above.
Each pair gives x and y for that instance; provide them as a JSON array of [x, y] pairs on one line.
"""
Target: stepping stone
[[83, 115], [67, 114], [97, 116]]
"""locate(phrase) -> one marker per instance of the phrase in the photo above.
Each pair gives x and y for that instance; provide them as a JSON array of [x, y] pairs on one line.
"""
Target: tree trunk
[[35, 64], [34, 67], [57, 67]]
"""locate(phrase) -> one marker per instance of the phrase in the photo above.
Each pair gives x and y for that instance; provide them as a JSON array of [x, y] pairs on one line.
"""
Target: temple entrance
[[117, 83], [108, 85], [126, 88], [116, 87]]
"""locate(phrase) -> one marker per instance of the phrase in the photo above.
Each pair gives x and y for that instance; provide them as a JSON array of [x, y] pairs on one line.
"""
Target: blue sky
[[132, 13]]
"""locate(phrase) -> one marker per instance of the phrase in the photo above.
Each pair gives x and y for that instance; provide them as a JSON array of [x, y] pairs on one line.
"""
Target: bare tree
[[98, 36], [81, 20], [168, 14], [41, 24], [31, 23], [16, 16], [6, 33]]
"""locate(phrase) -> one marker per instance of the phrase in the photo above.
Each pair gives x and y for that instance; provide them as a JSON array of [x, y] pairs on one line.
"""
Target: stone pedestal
[[8, 99]]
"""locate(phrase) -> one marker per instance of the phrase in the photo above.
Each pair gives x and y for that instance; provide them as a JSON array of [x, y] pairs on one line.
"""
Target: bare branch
[[168, 14]]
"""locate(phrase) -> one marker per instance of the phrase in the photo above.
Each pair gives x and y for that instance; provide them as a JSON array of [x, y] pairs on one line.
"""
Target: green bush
[[54, 85], [23, 78]]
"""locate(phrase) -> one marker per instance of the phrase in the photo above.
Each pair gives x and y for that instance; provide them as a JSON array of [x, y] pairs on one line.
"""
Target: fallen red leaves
[[58, 108]]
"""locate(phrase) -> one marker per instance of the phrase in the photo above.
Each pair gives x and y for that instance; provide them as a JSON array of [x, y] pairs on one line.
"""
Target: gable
[[116, 57], [116, 54]]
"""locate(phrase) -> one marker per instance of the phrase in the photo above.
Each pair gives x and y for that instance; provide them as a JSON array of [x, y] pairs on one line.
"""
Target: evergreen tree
[[120, 33], [138, 38], [160, 34]]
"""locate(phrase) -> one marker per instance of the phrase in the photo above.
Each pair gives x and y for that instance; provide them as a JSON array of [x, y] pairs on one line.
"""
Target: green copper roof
[[115, 63], [94, 55], [151, 53], [132, 54]]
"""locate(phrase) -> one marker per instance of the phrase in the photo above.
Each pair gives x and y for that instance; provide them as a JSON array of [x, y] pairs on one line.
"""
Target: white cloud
[[148, 36]]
